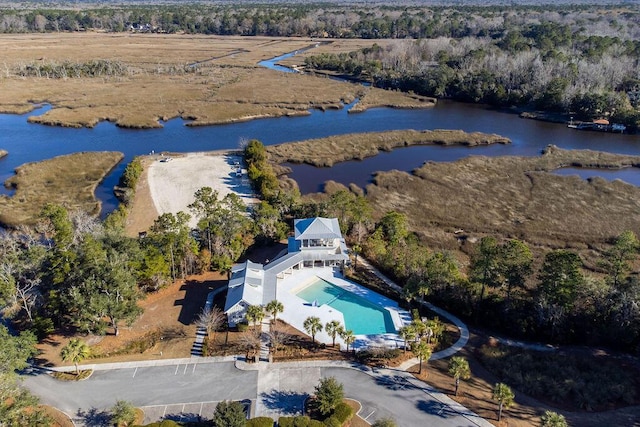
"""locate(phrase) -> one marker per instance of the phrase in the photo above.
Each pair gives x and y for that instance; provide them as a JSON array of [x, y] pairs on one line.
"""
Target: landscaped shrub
[[332, 421], [378, 355], [260, 422], [242, 327], [285, 422], [316, 423], [299, 421], [343, 412]]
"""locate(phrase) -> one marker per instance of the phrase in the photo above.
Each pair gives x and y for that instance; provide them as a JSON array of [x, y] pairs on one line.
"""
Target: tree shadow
[[195, 296], [285, 402], [95, 418], [434, 407], [394, 382]]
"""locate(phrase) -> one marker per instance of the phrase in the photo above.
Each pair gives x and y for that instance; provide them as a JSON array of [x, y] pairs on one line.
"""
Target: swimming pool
[[360, 315]]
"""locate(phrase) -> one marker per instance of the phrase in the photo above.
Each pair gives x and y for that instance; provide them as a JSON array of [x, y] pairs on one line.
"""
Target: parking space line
[[367, 417], [194, 368], [201, 405], [176, 372], [134, 372], [185, 369], [164, 411]]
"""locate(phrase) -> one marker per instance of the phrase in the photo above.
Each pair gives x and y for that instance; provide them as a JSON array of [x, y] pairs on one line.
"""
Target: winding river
[[27, 142]]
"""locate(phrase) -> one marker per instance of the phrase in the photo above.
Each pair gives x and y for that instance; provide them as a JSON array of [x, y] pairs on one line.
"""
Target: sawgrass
[[374, 97], [325, 152], [206, 79], [515, 197], [69, 181]]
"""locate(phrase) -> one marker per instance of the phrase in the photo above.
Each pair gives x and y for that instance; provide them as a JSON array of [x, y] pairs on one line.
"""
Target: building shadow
[[195, 297]]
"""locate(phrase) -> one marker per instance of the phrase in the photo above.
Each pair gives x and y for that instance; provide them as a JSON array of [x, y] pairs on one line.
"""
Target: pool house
[[308, 281]]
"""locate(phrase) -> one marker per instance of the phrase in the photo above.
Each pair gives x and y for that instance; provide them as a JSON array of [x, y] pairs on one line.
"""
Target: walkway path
[[464, 331], [265, 340], [201, 332]]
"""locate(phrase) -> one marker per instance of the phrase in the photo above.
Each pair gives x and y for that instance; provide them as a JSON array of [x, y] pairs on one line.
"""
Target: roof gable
[[317, 228]]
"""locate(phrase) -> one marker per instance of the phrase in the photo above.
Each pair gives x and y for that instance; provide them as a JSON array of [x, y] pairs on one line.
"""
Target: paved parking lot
[[192, 388]]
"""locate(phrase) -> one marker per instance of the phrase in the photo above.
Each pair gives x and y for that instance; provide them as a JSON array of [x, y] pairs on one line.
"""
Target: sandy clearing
[[173, 183]]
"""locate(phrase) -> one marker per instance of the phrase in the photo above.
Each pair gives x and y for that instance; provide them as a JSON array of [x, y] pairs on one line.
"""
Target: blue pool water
[[360, 315]]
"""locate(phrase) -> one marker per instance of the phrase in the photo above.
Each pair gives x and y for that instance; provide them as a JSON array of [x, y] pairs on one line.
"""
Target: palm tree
[[459, 369], [274, 307], [312, 325], [75, 351], [356, 249], [422, 350], [332, 329], [553, 419], [504, 396], [407, 333], [255, 314], [348, 337]]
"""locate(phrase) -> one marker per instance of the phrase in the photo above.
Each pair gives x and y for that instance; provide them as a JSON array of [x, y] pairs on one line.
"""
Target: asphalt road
[[86, 401], [185, 391], [398, 397]]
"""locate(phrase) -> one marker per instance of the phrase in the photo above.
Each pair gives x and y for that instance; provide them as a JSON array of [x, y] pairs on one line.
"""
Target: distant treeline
[[574, 60], [325, 19]]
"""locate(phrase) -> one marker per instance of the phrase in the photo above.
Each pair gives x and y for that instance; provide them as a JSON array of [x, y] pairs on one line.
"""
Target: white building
[[317, 242]]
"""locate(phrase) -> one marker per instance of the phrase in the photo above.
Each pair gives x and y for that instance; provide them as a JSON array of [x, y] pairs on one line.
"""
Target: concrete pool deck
[[296, 309]]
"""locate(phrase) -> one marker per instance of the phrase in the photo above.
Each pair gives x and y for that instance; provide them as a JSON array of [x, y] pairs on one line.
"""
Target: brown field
[[325, 152], [160, 82], [69, 181], [514, 197]]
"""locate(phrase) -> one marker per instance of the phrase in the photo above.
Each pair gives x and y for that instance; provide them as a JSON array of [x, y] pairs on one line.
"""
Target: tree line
[[323, 20], [548, 66]]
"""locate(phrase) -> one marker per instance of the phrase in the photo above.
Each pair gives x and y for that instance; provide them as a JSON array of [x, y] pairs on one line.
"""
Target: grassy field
[[514, 197], [207, 79], [325, 152], [66, 180]]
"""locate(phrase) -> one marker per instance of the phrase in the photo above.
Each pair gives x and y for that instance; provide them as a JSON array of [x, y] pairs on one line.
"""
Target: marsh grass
[[66, 180], [515, 197], [576, 381], [325, 152], [206, 79], [373, 97]]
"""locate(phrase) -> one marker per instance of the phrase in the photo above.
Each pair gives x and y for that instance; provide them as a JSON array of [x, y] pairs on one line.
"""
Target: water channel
[[27, 142]]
